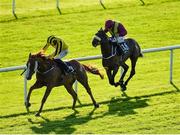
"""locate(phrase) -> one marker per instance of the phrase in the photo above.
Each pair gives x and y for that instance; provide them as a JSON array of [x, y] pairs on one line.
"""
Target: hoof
[[37, 114], [27, 109], [96, 105], [112, 83], [27, 104], [123, 88], [116, 84]]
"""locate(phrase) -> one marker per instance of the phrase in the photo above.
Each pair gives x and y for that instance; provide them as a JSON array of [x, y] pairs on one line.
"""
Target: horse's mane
[[40, 54]]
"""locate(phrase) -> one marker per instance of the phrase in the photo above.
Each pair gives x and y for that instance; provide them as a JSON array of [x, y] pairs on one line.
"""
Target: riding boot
[[64, 66]]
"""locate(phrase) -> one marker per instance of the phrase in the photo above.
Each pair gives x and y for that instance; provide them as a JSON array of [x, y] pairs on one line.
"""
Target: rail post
[[57, 6], [25, 88], [102, 4], [171, 67], [13, 8]]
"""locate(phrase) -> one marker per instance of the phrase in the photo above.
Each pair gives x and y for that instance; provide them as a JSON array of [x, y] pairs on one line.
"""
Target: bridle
[[113, 52], [44, 72], [36, 70]]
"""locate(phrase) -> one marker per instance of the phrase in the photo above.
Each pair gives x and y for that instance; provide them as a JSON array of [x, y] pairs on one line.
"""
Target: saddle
[[66, 67]]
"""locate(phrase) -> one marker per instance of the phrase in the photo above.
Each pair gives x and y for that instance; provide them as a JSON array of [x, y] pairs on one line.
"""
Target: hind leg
[[72, 93], [133, 65], [84, 81], [121, 81], [88, 89]]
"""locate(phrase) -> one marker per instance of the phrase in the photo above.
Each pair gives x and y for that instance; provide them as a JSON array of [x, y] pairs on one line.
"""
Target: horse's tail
[[93, 70], [141, 54]]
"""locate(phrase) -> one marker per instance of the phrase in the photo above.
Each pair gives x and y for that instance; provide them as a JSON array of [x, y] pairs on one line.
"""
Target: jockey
[[118, 31], [61, 50]]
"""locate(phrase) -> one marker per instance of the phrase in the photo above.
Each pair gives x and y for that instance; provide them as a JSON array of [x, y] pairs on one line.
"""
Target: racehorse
[[50, 75], [111, 61]]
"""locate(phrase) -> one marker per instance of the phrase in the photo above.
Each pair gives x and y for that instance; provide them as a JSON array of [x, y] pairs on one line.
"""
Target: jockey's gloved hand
[[48, 57], [113, 39]]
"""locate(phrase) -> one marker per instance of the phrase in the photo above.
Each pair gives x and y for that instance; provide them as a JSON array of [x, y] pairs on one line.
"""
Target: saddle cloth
[[120, 49]]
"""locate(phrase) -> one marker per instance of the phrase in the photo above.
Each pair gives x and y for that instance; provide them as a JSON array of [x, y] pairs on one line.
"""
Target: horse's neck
[[106, 48], [43, 66]]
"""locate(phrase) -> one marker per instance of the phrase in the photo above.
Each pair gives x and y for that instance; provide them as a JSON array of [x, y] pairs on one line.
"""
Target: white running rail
[[171, 48]]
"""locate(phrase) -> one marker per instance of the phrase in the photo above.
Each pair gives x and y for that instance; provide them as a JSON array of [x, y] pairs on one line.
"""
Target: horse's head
[[99, 37], [32, 64]]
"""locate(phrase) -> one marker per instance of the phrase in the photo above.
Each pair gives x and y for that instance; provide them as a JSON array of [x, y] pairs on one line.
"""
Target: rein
[[45, 72], [113, 52]]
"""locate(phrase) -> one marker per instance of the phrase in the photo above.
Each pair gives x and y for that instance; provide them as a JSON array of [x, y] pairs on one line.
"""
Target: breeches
[[62, 54]]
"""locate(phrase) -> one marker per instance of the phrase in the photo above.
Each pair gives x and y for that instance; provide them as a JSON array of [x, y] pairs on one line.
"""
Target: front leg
[[36, 85], [115, 70], [111, 75], [108, 72]]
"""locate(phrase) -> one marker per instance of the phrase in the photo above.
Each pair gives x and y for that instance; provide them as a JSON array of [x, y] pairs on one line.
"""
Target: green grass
[[153, 104]]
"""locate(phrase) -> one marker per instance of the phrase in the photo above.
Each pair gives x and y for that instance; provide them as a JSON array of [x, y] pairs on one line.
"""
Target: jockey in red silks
[[118, 31]]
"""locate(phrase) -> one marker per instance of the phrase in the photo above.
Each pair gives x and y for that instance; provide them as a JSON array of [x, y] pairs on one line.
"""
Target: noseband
[[36, 69], [98, 38], [45, 72]]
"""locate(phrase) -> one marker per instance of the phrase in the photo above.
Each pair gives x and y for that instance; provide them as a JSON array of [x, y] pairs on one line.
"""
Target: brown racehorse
[[111, 61], [50, 75]]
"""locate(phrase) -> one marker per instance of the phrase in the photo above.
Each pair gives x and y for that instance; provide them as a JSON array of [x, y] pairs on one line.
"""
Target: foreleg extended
[[36, 85]]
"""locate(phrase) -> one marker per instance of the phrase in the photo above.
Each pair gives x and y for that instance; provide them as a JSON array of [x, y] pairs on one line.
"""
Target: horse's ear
[[29, 55]]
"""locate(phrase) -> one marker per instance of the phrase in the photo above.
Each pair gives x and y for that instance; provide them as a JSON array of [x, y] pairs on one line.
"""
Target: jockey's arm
[[45, 47], [54, 53], [121, 30]]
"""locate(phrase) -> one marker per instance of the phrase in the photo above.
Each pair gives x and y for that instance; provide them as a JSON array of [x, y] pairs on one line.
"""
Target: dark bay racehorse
[[111, 61], [50, 75]]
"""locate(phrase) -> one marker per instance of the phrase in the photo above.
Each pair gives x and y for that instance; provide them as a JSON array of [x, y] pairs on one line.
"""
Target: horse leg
[[46, 94], [133, 65], [114, 74], [72, 93], [83, 79], [125, 67], [36, 85], [110, 77], [88, 89]]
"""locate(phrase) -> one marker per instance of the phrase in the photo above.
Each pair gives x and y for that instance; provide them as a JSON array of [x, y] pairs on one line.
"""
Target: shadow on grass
[[175, 86], [117, 107], [119, 100], [62, 126], [126, 106]]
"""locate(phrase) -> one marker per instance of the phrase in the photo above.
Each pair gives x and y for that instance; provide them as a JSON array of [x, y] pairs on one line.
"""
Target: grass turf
[[152, 105]]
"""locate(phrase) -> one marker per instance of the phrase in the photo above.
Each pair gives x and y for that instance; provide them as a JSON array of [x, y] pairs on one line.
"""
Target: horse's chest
[[110, 63]]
